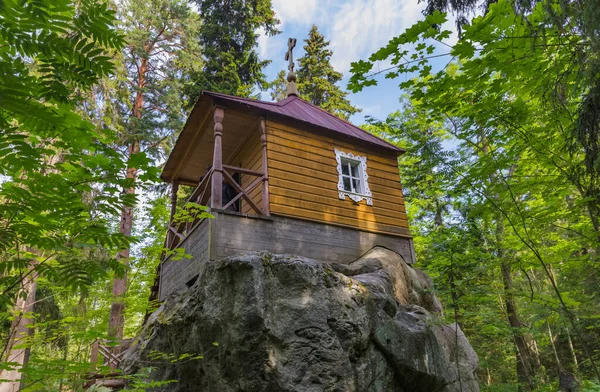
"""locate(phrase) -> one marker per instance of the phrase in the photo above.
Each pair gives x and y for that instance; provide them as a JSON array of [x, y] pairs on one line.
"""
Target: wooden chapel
[[284, 177]]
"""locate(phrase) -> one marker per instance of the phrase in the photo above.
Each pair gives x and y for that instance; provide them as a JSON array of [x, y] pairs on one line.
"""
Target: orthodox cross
[[289, 55]]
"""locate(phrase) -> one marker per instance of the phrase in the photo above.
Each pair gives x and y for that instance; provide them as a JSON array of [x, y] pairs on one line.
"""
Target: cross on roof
[[289, 55]]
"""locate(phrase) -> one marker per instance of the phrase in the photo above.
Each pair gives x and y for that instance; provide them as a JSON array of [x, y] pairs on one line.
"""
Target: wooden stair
[[111, 356]]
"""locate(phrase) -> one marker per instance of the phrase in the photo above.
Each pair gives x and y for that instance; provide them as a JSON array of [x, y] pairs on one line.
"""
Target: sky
[[355, 29]]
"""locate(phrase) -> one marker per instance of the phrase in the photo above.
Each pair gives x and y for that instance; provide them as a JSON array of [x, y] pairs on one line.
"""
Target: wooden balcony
[[183, 222], [208, 197]]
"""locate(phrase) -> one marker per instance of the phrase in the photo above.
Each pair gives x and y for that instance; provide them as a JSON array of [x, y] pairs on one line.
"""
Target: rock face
[[266, 322]]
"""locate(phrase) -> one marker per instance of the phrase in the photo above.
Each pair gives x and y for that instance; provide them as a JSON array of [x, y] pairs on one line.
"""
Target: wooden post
[[174, 189], [94, 353], [265, 169], [217, 176]]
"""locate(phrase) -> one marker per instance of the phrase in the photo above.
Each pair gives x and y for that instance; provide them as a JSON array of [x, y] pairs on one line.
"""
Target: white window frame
[[358, 195]]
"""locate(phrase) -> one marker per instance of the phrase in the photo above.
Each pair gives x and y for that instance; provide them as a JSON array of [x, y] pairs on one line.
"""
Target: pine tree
[[317, 79], [228, 36], [278, 87], [144, 101]]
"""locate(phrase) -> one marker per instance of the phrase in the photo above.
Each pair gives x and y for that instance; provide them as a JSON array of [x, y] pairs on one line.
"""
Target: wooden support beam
[[217, 176], [201, 198], [201, 187], [243, 192], [174, 189], [176, 232], [242, 170], [94, 353], [265, 168]]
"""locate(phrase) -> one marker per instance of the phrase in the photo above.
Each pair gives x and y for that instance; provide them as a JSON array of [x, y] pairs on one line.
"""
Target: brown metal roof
[[298, 109]]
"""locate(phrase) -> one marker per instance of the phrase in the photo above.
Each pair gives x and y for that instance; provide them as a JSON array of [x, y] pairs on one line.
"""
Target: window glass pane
[[345, 168], [347, 186], [356, 184], [355, 170]]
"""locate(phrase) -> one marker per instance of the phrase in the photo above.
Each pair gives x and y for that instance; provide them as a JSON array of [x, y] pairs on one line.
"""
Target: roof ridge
[[242, 98], [306, 112], [345, 121], [289, 99]]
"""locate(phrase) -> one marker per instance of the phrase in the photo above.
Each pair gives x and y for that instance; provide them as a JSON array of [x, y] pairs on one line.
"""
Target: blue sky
[[355, 29]]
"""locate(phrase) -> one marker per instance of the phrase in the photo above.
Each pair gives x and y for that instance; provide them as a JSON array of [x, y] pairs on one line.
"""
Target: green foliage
[[317, 80], [501, 195], [141, 382], [61, 175], [228, 36], [172, 358], [144, 101], [278, 87], [190, 212]]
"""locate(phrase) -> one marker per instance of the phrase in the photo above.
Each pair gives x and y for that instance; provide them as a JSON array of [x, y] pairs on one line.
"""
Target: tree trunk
[[559, 366], [572, 349], [20, 331], [117, 309], [525, 367], [525, 362]]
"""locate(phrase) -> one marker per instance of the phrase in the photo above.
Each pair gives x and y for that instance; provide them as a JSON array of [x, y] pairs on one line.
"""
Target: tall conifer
[[144, 101], [228, 37], [317, 80]]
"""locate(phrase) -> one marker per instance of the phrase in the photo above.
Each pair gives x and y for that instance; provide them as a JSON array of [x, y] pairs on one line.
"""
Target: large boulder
[[265, 322]]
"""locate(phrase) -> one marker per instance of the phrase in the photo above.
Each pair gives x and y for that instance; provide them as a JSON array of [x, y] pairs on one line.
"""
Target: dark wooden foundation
[[231, 234]]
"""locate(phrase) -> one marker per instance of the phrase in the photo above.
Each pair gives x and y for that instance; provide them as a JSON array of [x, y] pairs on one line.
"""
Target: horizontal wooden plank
[[325, 242], [324, 156], [326, 143], [333, 194], [306, 161], [329, 181], [242, 170], [321, 155], [280, 209], [293, 229], [258, 240], [275, 125], [330, 197], [327, 174], [246, 147], [312, 203]]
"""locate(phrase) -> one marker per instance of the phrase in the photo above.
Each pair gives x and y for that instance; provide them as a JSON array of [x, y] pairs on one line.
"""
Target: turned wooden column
[[265, 168], [217, 176]]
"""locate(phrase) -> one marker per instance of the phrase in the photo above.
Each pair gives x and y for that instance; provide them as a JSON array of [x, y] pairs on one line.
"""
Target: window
[[351, 176], [352, 171]]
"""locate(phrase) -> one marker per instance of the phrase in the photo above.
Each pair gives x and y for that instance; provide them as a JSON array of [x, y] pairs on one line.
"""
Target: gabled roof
[[298, 109]]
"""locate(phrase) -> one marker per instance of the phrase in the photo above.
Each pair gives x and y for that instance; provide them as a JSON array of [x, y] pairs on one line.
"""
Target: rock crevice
[[264, 322]]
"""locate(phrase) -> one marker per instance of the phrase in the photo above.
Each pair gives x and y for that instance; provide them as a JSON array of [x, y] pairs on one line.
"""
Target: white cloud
[[361, 27], [293, 14], [296, 11], [264, 43]]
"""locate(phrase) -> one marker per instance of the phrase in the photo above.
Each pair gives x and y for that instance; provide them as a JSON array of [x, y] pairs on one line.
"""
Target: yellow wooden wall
[[303, 182], [249, 157]]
